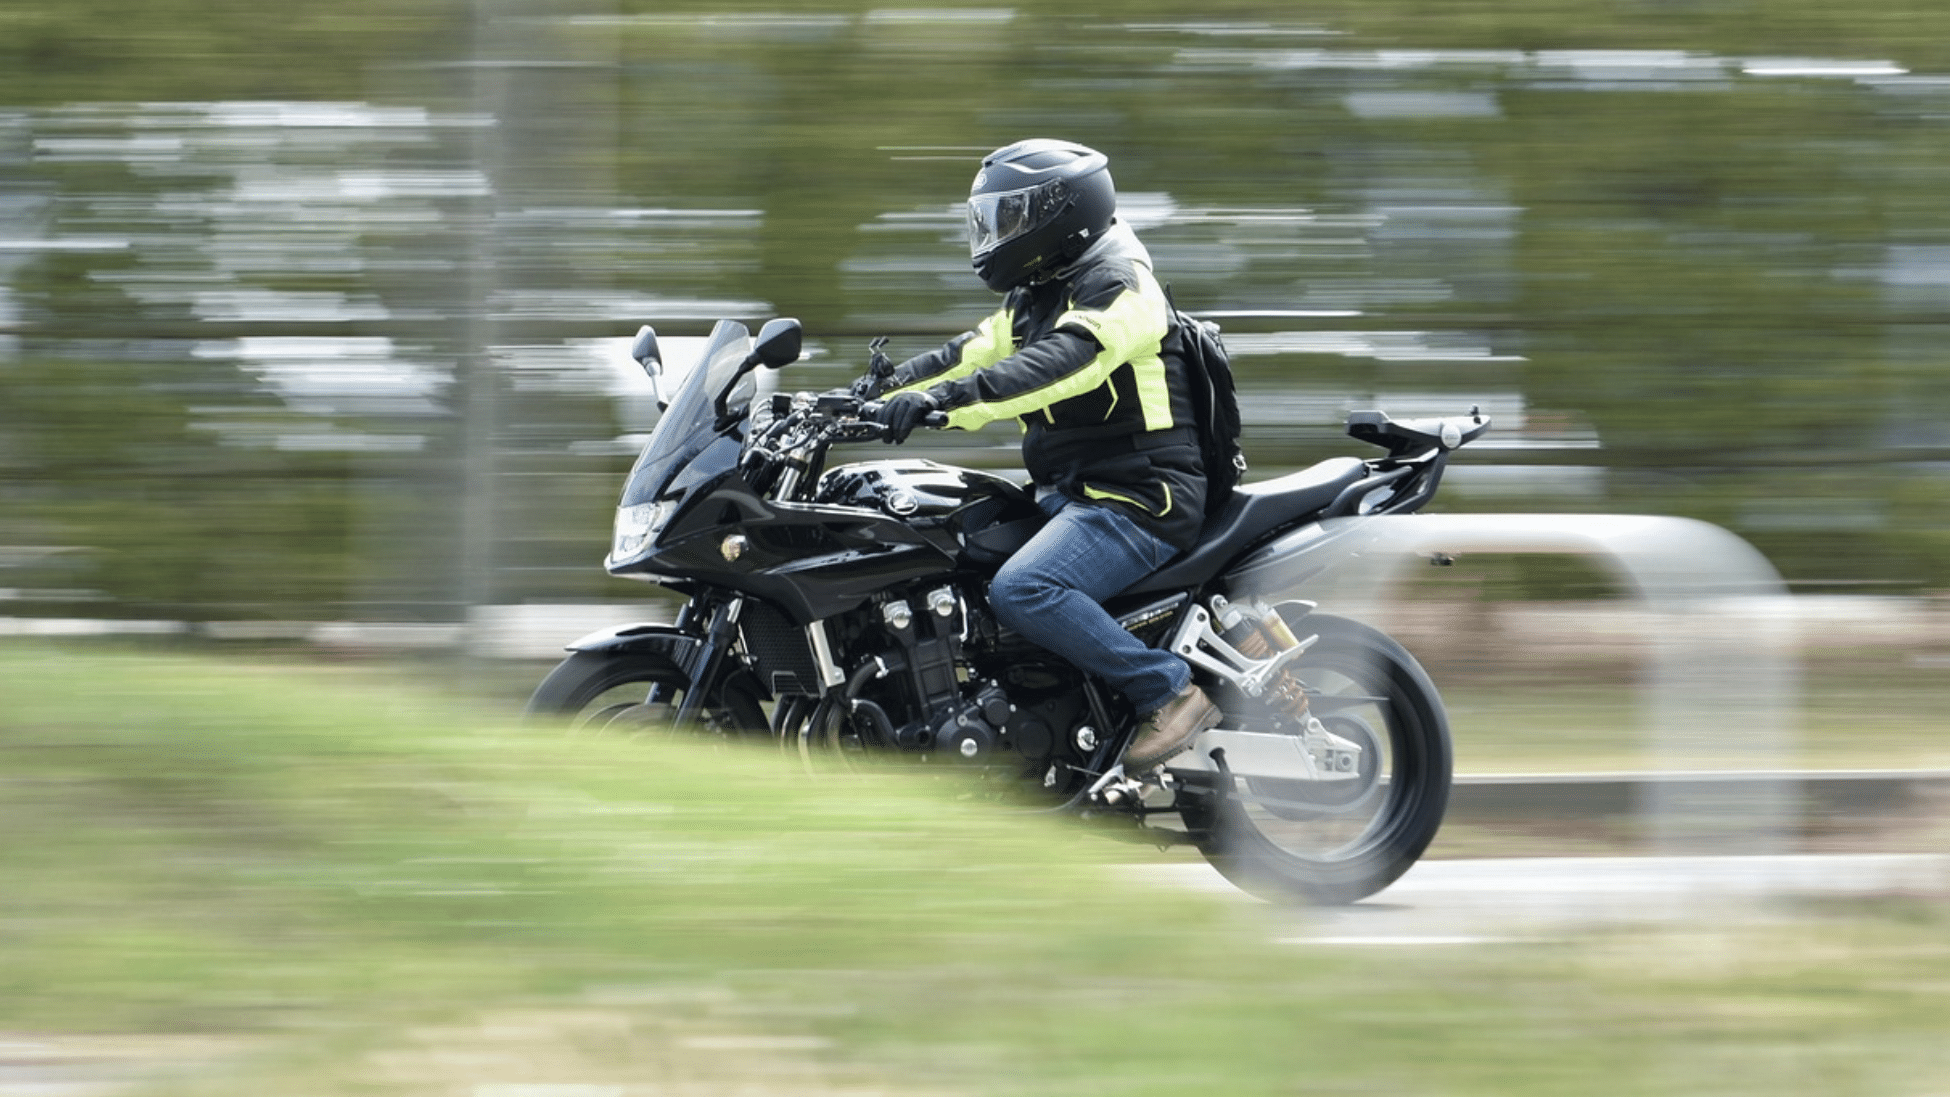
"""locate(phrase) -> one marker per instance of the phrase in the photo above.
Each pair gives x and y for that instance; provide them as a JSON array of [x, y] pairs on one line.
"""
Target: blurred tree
[[1641, 217]]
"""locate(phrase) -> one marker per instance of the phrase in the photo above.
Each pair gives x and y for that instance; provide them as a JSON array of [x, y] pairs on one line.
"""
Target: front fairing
[[691, 447], [690, 515]]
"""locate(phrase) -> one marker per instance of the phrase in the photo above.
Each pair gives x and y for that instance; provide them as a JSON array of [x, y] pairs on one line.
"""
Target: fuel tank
[[910, 487], [928, 495]]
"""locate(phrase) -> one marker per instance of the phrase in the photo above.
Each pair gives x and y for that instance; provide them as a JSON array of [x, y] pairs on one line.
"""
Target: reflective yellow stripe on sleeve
[[994, 340], [1131, 330]]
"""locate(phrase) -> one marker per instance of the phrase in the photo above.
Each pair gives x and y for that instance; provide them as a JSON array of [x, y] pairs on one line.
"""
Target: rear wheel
[[640, 692], [1371, 804]]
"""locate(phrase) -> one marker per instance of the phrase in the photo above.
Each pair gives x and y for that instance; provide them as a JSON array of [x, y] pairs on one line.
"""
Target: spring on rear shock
[[1259, 632]]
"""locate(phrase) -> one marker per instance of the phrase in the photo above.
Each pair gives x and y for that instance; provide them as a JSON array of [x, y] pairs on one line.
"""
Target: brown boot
[[1171, 729]]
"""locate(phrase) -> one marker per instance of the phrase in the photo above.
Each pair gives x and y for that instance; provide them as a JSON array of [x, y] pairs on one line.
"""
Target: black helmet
[[1036, 205]]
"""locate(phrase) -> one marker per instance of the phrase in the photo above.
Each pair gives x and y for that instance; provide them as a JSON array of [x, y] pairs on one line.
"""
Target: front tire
[[639, 692], [1285, 838]]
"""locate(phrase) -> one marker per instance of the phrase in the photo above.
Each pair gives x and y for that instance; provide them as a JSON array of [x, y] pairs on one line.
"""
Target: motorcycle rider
[[1080, 353]]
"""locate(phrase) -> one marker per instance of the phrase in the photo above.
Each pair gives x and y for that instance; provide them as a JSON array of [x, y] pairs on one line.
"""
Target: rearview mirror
[[644, 349], [779, 343]]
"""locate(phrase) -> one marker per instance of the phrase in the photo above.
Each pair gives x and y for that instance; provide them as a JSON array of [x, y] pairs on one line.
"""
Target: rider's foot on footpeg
[[1171, 729]]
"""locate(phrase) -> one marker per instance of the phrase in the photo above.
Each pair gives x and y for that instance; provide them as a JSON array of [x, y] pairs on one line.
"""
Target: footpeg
[[1118, 789], [1115, 789]]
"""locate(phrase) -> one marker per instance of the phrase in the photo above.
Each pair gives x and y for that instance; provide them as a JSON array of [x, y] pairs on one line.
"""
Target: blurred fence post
[[479, 402]]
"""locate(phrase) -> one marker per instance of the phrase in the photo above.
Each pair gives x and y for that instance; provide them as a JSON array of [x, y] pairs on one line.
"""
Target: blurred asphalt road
[[1536, 898]]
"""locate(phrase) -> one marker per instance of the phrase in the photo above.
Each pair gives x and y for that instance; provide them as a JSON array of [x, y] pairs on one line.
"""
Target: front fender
[[666, 640]]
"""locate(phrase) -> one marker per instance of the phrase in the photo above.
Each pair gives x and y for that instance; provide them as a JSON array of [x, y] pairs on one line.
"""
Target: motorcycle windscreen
[[670, 460]]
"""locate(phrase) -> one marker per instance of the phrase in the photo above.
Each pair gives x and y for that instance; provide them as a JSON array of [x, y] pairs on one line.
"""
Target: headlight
[[636, 527]]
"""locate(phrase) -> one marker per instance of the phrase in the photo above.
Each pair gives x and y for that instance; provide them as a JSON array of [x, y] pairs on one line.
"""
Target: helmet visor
[[995, 219]]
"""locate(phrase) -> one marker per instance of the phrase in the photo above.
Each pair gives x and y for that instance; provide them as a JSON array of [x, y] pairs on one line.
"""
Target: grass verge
[[345, 885]]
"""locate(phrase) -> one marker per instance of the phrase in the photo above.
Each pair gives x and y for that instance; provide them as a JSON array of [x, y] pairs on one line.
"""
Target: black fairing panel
[[812, 560]]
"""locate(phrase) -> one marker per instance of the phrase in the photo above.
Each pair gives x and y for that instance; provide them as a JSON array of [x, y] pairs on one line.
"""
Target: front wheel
[[638, 692], [1372, 803]]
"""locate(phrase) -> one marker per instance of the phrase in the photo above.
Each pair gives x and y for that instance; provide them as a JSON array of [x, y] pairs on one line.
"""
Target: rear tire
[[1281, 839]]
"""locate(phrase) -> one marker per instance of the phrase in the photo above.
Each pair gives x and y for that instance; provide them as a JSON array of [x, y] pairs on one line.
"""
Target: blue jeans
[[1052, 591]]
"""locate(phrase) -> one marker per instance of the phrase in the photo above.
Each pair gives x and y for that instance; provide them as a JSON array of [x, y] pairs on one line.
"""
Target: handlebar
[[787, 445], [807, 418], [935, 419]]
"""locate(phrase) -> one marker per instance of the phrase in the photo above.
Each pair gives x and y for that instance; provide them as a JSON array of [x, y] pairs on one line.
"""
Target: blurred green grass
[[1850, 711], [378, 890]]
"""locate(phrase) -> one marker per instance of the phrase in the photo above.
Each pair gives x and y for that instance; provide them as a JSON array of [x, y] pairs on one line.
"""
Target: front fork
[[707, 659]]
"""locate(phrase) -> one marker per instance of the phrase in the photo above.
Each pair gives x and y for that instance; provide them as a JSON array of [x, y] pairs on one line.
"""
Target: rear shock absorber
[[1248, 646], [1261, 633], [1252, 647]]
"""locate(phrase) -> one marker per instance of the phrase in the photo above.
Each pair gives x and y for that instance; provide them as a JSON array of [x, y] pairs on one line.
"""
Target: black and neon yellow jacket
[[1082, 360]]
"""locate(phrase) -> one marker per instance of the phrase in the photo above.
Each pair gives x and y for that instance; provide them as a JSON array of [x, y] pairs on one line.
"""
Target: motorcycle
[[841, 612]]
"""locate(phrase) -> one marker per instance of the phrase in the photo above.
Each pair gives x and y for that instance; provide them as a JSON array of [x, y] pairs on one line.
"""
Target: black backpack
[[1215, 402]]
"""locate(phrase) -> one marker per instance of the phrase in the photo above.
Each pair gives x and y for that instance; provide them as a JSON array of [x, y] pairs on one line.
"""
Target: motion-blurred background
[[312, 317], [314, 313]]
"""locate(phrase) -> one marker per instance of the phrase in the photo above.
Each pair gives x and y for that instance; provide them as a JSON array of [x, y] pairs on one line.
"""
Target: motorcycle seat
[[1253, 511]]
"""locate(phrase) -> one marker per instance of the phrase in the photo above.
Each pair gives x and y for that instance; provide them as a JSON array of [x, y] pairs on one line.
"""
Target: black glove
[[902, 412]]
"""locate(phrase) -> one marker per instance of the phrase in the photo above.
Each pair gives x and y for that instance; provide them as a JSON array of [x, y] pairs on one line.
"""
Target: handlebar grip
[[937, 419]]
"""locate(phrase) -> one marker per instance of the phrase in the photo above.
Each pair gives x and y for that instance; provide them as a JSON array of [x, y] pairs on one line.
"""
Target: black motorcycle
[[842, 612]]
